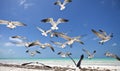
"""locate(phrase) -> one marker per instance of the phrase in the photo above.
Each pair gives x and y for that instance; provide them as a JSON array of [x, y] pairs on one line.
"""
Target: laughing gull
[[32, 53], [62, 54], [70, 40], [24, 64], [62, 45], [108, 54], [43, 46], [18, 37], [12, 24], [44, 32], [67, 54], [54, 23], [62, 5], [102, 35], [89, 54]]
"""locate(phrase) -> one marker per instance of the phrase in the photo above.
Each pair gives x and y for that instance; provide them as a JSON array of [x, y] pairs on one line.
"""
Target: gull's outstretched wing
[[86, 51], [48, 20], [17, 23], [40, 29], [79, 62], [26, 63], [98, 34], [61, 20], [58, 3], [66, 1], [4, 22], [103, 32]]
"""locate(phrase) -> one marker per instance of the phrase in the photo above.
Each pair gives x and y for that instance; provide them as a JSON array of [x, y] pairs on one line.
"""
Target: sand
[[18, 67]]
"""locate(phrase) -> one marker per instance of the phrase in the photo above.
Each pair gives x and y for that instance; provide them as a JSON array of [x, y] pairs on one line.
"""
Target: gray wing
[[58, 3], [66, 1], [51, 47], [16, 23], [56, 43], [4, 22], [26, 63], [98, 34], [40, 29], [61, 20], [103, 32], [47, 20], [63, 36], [86, 51]]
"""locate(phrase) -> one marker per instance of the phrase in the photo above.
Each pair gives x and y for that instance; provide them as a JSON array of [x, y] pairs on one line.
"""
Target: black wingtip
[[94, 51]]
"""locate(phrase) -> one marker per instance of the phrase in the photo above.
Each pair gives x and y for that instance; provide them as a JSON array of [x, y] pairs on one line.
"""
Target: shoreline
[[18, 67]]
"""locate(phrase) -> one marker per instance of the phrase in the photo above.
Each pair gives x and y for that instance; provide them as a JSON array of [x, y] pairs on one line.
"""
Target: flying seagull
[[79, 62], [67, 54], [43, 46], [62, 54], [44, 32], [89, 54], [18, 37], [62, 5], [70, 40], [62, 45], [11, 24], [108, 54], [102, 35], [54, 23], [32, 53]]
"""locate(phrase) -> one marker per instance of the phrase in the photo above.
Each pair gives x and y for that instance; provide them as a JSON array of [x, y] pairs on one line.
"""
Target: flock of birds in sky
[[52, 32]]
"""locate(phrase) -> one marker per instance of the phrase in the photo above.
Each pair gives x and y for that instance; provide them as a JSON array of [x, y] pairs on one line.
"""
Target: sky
[[83, 15]]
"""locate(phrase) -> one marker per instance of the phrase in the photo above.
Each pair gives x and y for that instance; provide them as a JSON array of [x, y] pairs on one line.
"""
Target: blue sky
[[83, 15]]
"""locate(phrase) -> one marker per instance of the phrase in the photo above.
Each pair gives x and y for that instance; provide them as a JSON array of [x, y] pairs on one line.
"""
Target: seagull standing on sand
[[11, 24], [108, 54], [54, 23], [103, 36], [44, 32], [24, 64], [89, 54], [32, 53], [37, 43], [62, 5]]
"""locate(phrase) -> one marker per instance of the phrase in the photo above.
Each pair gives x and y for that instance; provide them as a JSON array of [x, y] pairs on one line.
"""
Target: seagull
[[37, 43], [11, 24], [70, 40], [44, 32], [103, 36], [89, 54], [54, 23], [32, 53], [62, 54], [79, 62], [18, 37], [62, 45], [24, 64], [108, 54], [62, 5], [43, 46]]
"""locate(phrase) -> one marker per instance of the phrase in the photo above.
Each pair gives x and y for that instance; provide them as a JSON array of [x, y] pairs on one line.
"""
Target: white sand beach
[[59, 65]]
